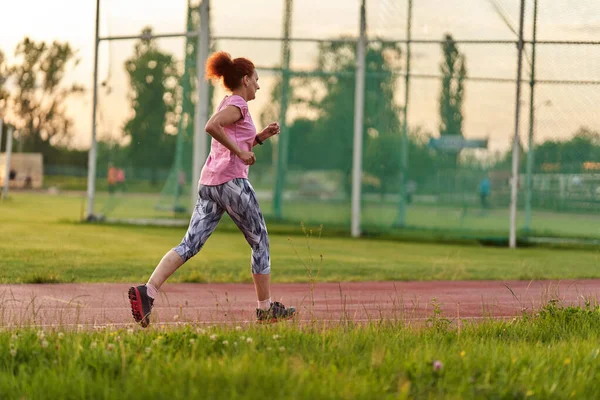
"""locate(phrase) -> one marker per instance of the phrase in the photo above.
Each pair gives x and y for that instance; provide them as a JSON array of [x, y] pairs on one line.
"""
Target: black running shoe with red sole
[[141, 305], [277, 312]]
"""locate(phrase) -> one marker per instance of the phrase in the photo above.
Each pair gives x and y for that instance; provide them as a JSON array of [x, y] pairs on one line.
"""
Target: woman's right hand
[[247, 157]]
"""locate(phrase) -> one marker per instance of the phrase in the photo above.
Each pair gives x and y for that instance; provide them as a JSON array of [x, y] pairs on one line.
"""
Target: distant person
[[485, 188], [224, 187], [12, 175], [112, 178], [28, 182]]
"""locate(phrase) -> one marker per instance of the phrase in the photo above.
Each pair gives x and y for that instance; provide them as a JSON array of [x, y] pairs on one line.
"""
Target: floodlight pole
[[530, 147], [91, 183], [283, 139], [359, 97], [515, 150], [202, 104]]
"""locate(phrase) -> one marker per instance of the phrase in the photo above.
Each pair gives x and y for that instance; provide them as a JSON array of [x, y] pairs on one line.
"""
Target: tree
[[570, 154], [37, 103], [153, 78], [329, 145], [566, 155], [4, 72], [3, 95], [271, 113], [454, 72], [382, 123]]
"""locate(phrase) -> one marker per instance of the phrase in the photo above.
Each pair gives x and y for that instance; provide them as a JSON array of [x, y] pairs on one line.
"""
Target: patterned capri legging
[[238, 199]]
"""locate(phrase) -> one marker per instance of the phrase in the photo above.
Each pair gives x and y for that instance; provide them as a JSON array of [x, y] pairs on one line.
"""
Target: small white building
[[27, 170]]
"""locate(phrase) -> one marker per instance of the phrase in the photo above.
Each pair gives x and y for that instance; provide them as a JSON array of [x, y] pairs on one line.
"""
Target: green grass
[[554, 355], [379, 217], [41, 240], [79, 183]]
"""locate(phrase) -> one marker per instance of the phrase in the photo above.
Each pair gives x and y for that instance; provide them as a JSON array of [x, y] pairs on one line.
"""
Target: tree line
[[34, 89]]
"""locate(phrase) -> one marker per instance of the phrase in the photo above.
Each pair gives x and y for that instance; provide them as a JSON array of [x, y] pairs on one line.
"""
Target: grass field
[[377, 216], [553, 355], [380, 216], [42, 240]]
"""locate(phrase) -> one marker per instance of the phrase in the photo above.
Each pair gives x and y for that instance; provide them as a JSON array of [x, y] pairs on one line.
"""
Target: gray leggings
[[238, 199]]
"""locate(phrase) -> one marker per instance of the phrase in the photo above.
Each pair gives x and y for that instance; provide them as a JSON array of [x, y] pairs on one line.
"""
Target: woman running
[[224, 187]]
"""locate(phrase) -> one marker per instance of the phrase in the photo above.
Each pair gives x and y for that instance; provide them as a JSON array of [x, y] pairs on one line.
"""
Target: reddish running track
[[101, 304]]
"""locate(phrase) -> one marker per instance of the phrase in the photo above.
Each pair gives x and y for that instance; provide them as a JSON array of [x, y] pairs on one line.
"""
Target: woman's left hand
[[272, 129]]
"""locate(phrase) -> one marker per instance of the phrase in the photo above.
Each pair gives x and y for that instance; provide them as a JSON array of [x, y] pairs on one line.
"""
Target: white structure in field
[[27, 170]]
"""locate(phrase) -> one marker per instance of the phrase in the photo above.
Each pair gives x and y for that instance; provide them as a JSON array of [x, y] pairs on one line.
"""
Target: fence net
[[435, 159]]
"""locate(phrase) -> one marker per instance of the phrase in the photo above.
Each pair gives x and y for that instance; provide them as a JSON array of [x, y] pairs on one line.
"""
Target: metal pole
[[7, 152], [401, 219], [91, 187], [188, 34], [283, 138], [185, 89], [359, 95], [515, 159], [530, 148], [202, 105]]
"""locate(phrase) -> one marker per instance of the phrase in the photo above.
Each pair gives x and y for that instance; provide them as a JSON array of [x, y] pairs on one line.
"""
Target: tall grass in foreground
[[551, 354]]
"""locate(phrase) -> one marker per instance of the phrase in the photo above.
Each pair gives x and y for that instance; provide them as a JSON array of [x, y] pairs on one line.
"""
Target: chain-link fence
[[438, 126]]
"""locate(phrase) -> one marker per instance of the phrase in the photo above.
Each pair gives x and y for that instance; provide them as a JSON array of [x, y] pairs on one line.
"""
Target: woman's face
[[251, 83]]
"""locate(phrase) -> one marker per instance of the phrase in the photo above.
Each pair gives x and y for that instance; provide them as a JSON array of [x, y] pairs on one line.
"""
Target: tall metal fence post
[[515, 149], [91, 181], [283, 139], [202, 104], [359, 99], [531, 144]]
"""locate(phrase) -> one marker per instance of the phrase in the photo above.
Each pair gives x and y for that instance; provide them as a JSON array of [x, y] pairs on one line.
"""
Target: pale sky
[[489, 107]]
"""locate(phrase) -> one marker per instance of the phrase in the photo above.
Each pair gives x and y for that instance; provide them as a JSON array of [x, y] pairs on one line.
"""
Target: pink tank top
[[222, 165]]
